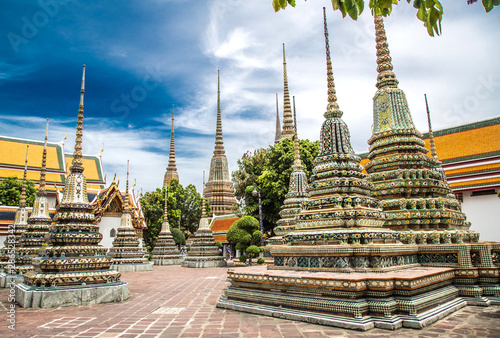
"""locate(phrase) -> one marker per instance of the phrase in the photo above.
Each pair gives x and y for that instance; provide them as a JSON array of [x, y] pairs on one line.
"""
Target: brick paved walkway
[[172, 301]]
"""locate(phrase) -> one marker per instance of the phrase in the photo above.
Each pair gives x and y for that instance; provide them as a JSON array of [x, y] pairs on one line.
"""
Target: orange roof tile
[[223, 224]]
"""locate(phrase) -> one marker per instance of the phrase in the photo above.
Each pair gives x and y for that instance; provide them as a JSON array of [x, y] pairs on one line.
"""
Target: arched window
[[112, 233]]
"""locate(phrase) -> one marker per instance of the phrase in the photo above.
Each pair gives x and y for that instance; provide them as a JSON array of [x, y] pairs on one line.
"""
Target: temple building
[[387, 249], [219, 189], [171, 172], [72, 256], [9, 257]]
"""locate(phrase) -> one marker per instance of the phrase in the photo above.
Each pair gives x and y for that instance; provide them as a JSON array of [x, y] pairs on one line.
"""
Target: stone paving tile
[[173, 286]]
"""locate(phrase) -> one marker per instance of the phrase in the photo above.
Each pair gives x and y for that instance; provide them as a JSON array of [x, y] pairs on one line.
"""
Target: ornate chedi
[[219, 188], [204, 253], [39, 221], [342, 267], [165, 251], [297, 194], [411, 184], [277, 136], [171, 172], [10, 260], [126, 252], [72, 269], [288, 130]]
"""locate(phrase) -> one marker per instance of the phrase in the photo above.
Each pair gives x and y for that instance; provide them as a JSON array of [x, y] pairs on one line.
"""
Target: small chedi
[[388, 250], [297, 194], [219, 188], [165, 251], [204, 253], [10, 259], [126, 252], [72, 269]]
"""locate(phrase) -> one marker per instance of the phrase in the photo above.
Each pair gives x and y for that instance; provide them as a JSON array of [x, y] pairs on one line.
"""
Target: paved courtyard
[[171, 301]]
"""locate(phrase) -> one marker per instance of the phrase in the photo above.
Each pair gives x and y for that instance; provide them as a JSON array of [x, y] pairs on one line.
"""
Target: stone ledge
[[35, 297], [204, 264], [6, 279], [172, 261], [148, 266]]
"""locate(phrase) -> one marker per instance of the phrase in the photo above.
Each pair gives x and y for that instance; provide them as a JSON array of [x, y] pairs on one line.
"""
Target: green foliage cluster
[[269, 169], [184, 210], [178, 236], [10, 191], [261, 261], [246, 234], [430, 12], [219, 244]]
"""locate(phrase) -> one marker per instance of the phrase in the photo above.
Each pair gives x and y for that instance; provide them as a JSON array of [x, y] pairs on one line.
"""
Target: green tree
[[246, 235], [179, 237], [430, 12], [269, 169], [10, 191]]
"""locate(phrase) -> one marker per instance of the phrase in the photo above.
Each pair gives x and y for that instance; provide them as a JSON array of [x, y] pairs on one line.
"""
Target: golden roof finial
[[133, 185], [64, 138], [100, 153], [386, 77], [431, 134], [22, 200], [43, 170], [76, 164], [114, 178], [332, 109]]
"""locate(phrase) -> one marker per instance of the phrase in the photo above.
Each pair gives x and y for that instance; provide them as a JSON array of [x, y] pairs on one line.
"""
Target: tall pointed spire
[[431, 134], [332, 109], [288, 130], [386, 77], [22, 200], [171, 172], [219, 143], [277, 137], [76, 164], [43, 170], [219, 188], [294, 116], [126, 206]]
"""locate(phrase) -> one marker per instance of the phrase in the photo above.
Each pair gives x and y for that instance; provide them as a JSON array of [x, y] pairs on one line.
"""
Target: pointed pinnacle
[[43, 170], [386, 77], [287, 131], [22, 200], [431, 134], [126, 204], [219, 143], [332, 109], [277, 136], [76, 164]]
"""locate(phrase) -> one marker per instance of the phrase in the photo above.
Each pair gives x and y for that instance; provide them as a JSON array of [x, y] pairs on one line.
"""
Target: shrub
[[219, 244], [243, 258], [261, 261]]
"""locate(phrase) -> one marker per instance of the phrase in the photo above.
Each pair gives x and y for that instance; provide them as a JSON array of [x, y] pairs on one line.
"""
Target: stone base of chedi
[[385, 286], [165, 251], [204, 252]]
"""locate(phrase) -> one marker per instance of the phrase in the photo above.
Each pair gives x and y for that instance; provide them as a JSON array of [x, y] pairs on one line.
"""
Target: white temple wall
[[484, 214], [105, 225]]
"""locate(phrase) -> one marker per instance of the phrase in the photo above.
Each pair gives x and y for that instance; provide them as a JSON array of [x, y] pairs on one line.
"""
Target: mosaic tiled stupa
[[126, 251], [9, 256], [72, 269], [171, 172], [343, 266], [39, 221], [219, 188], [296, 195], [204, 253], [411, 185], [165, 251]]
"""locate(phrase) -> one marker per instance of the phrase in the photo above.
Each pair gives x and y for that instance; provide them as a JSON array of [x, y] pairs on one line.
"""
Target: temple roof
[[220, 225], [12, 156], [8, 213]]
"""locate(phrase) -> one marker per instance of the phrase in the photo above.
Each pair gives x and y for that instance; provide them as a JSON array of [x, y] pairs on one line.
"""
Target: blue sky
[[142, 57]]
